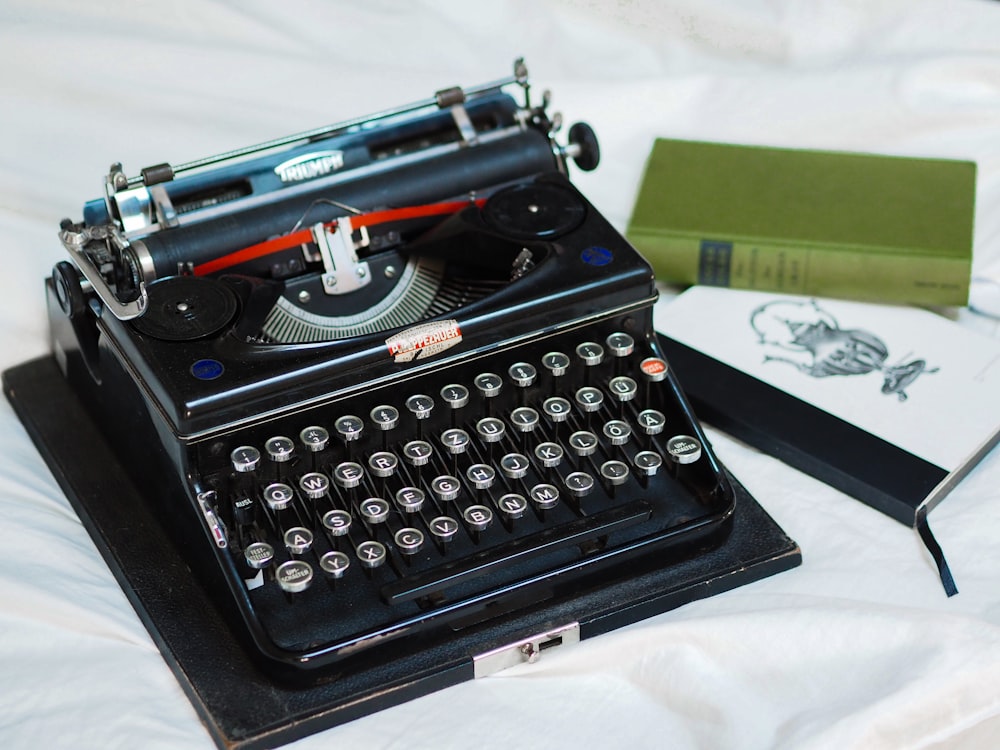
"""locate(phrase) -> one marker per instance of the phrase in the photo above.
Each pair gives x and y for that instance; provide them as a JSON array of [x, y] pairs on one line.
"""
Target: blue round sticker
[[596, 256], [207, 369]]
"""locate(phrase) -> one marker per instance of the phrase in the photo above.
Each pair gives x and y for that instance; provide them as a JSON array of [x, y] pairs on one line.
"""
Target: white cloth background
[[857, 648]]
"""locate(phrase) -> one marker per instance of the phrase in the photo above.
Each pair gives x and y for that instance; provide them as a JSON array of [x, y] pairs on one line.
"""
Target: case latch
[[527, 650]]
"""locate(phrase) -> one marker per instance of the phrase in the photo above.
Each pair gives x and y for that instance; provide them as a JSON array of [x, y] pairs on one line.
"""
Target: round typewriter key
[[579, 483], [478, 517], [420, 405], [589, 399], [455, 395], [524, 419], [278, 496], [549, 454], [384, 417], [684, 449], [647, 462], [314, 438], [490, 429], [556, 408], [651, 421], [556, 363], [279, 448], [383, 464], [590, 353], [514, 465], [259, 555], [654, 368], [444, 528], [370, 553], [445, 488], [620, 344], [410, 499], [374, 510], [417, 452], [294, 576], [298, 540], [335, 564], [314, 484], [349, 427], [455, 440], [522, 374], [583, 443], [348, 474], [337, 522], [408, 540], [481, 476], [617, 432], [616, 472], [544, 496], [245, 459], [512, 505], [623, 388], [488, 384]]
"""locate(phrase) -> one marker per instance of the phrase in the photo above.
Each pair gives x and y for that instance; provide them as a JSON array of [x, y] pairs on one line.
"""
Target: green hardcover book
[[836, 224]]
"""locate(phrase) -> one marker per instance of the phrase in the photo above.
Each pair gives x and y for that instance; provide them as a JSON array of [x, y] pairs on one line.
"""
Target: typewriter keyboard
[[506, 473]]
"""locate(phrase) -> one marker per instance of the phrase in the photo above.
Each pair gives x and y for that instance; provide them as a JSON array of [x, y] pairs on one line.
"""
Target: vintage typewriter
[[390, 393]]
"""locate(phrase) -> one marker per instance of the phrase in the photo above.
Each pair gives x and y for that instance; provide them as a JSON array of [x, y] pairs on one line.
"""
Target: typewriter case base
[[240, 705]]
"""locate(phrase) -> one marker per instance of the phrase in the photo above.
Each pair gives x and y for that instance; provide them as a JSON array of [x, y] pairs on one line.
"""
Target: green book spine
[[851, 273], [837, 224]]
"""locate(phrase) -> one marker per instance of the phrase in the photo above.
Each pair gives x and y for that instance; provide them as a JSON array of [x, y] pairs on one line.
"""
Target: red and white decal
[[424, 340]]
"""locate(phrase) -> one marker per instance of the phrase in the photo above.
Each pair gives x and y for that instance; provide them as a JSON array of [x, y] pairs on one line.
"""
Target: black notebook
[[891, 405]]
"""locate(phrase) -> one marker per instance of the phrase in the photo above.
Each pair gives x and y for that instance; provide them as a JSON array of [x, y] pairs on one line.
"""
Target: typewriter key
[[280, 449], [512, 505], [514, 465], [481, 476], [647, 462], [590, 353], [620, 344], [654, 368], [314, 438], [417, 452], [478, 517], [335, 564], [524, 419], [617, 432], [370, 553], [348, 474], [589, 399], [420, 405], [278, 496], [544, 496], [259, 555], [549, 454], [623, 388], [615, 472], [522, 374], [337, 522], [383, 464], [245, 459], [349, 427], [455, 395], [445, 488], [298, 540], [583, 443], [455, 440], [374, 510], [410, 499], [556, 363], [444, 528], [314, 484], [385, 417], [490, 429], [294, 576], [579, 483], [684, 449], [556, 408], [409, 540], [651, 421]]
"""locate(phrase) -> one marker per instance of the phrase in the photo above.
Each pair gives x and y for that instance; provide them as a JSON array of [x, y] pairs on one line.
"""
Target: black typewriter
[[390, 394]]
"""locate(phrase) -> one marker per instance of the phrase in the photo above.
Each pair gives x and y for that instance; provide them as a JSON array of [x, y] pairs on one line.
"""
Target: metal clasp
[[526, 650]]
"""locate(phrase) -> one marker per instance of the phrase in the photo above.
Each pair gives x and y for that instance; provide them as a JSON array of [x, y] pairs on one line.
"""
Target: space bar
[[515, 551]]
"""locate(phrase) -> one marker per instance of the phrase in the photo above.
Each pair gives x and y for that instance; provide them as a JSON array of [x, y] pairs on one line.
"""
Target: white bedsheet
[[857, 648]]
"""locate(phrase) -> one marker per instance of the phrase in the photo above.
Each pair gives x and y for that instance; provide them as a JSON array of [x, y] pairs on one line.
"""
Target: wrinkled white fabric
[[857, 648]]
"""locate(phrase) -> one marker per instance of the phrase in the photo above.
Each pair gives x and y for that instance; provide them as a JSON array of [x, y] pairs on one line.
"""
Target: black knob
[[588, 154]]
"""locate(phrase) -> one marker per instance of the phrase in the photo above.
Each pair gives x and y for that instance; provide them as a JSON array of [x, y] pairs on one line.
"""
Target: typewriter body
[[387, 382]]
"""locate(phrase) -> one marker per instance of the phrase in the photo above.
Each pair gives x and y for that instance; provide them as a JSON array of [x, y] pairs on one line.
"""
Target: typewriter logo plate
[[309, 166], [424, 340]]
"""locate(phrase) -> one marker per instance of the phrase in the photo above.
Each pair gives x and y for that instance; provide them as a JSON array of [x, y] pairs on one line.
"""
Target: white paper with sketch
[[906, 375]]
